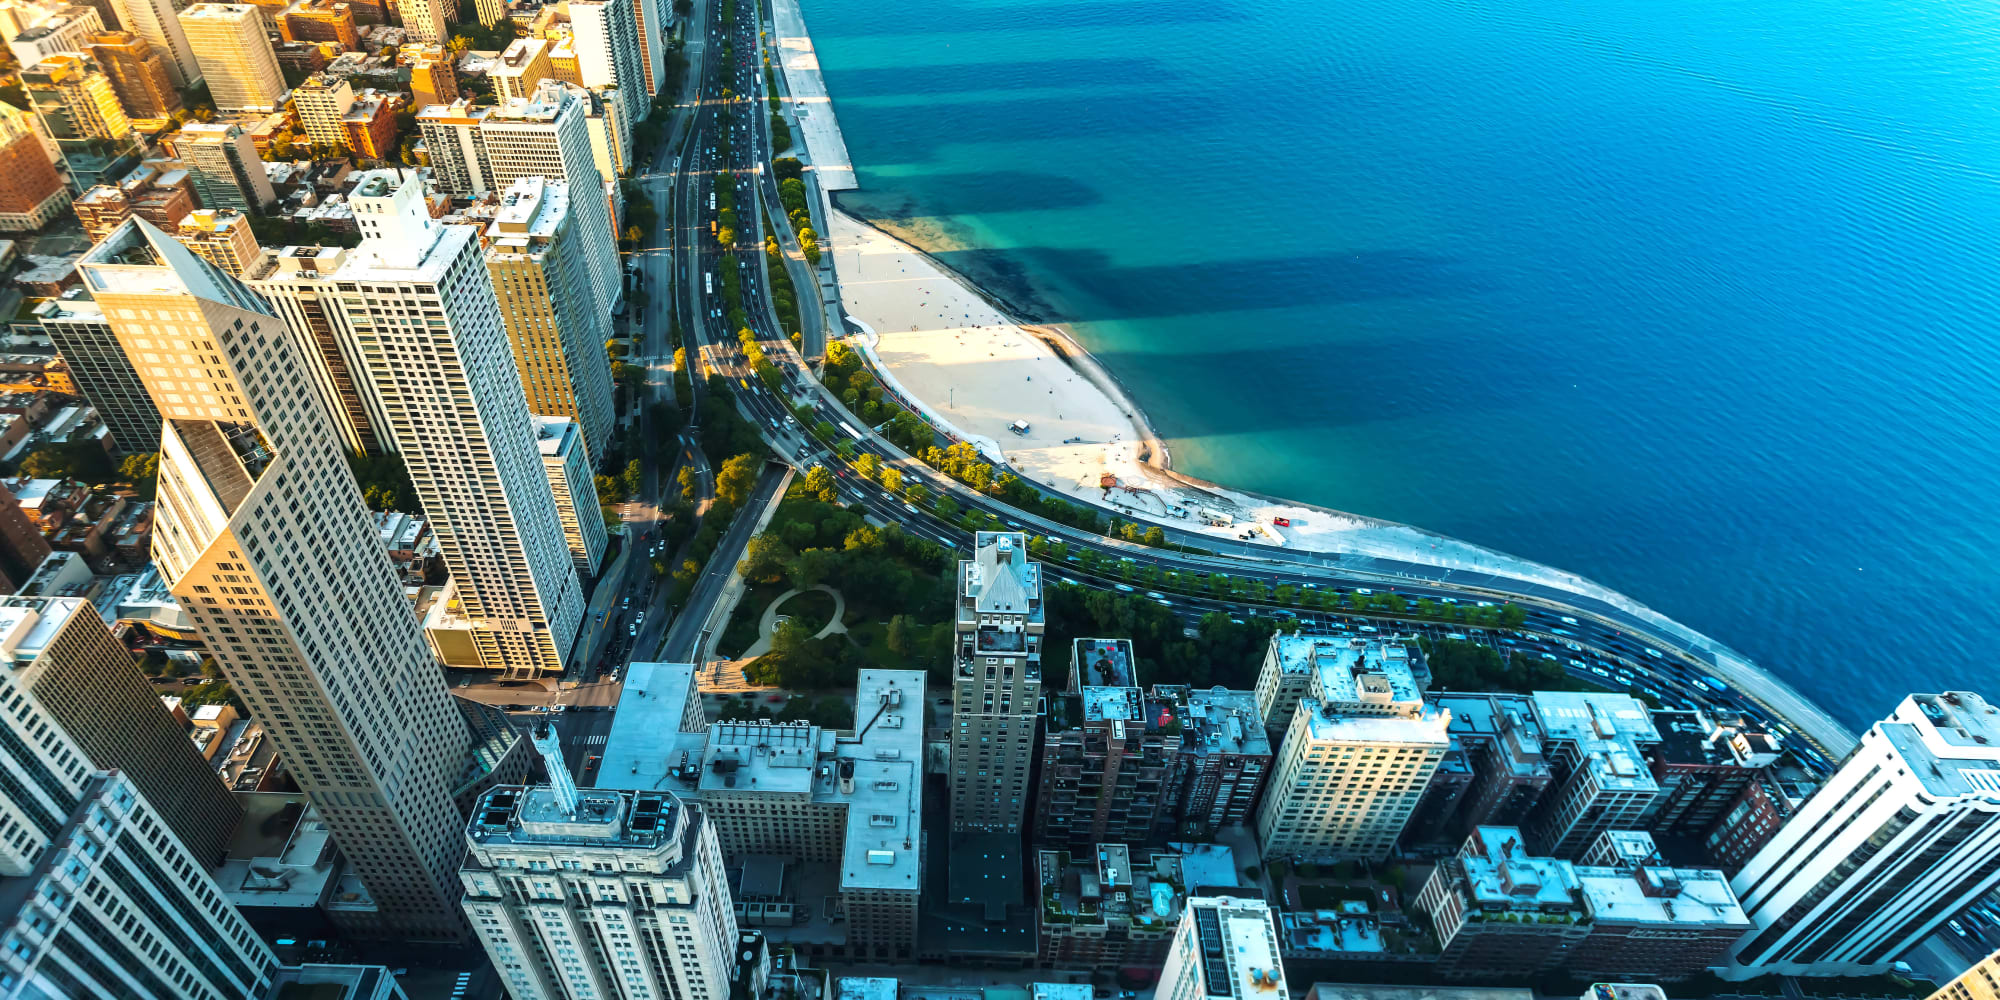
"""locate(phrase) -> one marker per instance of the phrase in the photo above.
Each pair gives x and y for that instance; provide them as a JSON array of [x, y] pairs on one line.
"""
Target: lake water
[[1697, 300]]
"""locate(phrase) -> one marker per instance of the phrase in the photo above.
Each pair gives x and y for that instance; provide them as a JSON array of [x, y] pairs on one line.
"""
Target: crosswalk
[[590, 741]]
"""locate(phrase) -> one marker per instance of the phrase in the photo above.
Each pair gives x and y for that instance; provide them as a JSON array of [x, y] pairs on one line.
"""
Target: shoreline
[[1115, 459]]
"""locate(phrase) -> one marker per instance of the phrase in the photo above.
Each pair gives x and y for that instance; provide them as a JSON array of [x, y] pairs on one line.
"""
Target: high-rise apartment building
[[585, 893], [1107, 909], [996, 683], [156, 22], [235, 55], [74, 98], [490, 12], [139, 73], [427, 22], [1360, 749], [1109, 754], [563, 458], [1904, 836], [101, 898], [654, 18], [473, 459], [31, 192], [477, 150], [1225, 949], [222, 238], [22, 546], [322, 102], [556, 325], [1292, 662], [1596, 743], [102, 372], [298, 283], [225, 166], [1703, 768], [60, 651], [1500, 739], [1225, 758], [605, 35], [263, 537], [1981, 982], [521, 68], [66, 31]]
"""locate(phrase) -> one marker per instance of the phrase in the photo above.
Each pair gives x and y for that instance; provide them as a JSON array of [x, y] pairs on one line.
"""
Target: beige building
[[996, 683], [222, 238], [235, 55], [585, 893], [575, 489], [427, 22], [432, 78], [264, 540], [60, 651], [1981, 982], [522, 67], [554, 322], [1356, 756], [322, 103], [298, 283]]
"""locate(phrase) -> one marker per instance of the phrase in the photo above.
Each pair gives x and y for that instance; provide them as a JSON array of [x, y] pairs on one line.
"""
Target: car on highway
[[1123, 587]]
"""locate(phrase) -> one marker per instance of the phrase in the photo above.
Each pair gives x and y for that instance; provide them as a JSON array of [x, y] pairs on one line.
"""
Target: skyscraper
[[101, 898], [1359, 751], [575, 488], [541, 276], [427, 21], [235, 55], [605, 34], [1595, 741], [156, 22], [261, 533], [225, 166], [1904, 836], [64, 31], [61, 653], [996, 682], [31, 192], [477, 150], [1981, 982], [222, 238], [298, 283], [102, 372], [454, 404], [1110, 756], [584, 893], [521, 68], [138, 72], [322, 102]]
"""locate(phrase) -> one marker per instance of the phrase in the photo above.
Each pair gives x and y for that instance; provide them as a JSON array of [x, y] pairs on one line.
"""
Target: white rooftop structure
[[864, 988], [1607, 730], [1000, 578]]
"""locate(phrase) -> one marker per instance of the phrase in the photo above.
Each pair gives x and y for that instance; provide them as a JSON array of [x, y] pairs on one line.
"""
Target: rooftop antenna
[[549, 743]]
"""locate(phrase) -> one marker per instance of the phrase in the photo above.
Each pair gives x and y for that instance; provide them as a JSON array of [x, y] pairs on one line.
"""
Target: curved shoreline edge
[[1389, 542]]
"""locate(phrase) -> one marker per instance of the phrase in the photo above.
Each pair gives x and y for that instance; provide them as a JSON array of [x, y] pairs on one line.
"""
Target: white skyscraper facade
[[420, 307], [605, 35], [236, 57], [1903, 837], [570, 478], [261, 534], [98, 898], [586, 893]]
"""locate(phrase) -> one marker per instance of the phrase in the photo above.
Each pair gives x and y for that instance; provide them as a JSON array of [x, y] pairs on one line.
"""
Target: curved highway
[[1616, 645]]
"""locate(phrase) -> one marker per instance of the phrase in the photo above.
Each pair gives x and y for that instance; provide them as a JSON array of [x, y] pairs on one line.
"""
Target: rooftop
[[1226, 722], [1658, 894], [28, 624], [1500, 875], [1000, 578], [1689, 737], [1370, 675], [1237, 948], [1607, 729], [1111, 886], [1508, 720], [1951, 742], [1102, 673], [864, 988], [518, 816]]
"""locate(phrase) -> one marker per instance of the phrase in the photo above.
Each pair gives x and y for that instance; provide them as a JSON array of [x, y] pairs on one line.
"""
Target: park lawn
[[741, 632], [813, 609]]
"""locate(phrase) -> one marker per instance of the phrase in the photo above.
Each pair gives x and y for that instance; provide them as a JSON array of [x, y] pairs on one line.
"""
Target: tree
[[917, 493], [633, 479], [814, 567], [607, 491], [384, 482], [737, 478], [819, 482], [897, 638], [80, 460], [142, 471], [690, 483], [892, 480], [867, 466], [767, 559]]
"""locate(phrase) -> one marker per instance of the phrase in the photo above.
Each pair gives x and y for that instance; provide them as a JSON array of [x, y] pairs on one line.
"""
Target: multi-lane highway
[[725, 146]]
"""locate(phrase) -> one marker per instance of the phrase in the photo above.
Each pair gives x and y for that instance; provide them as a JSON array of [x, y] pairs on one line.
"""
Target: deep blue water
[[1697, 299]]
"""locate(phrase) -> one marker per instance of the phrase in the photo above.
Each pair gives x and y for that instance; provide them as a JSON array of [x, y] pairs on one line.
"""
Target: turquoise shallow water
[[1697, 300]]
